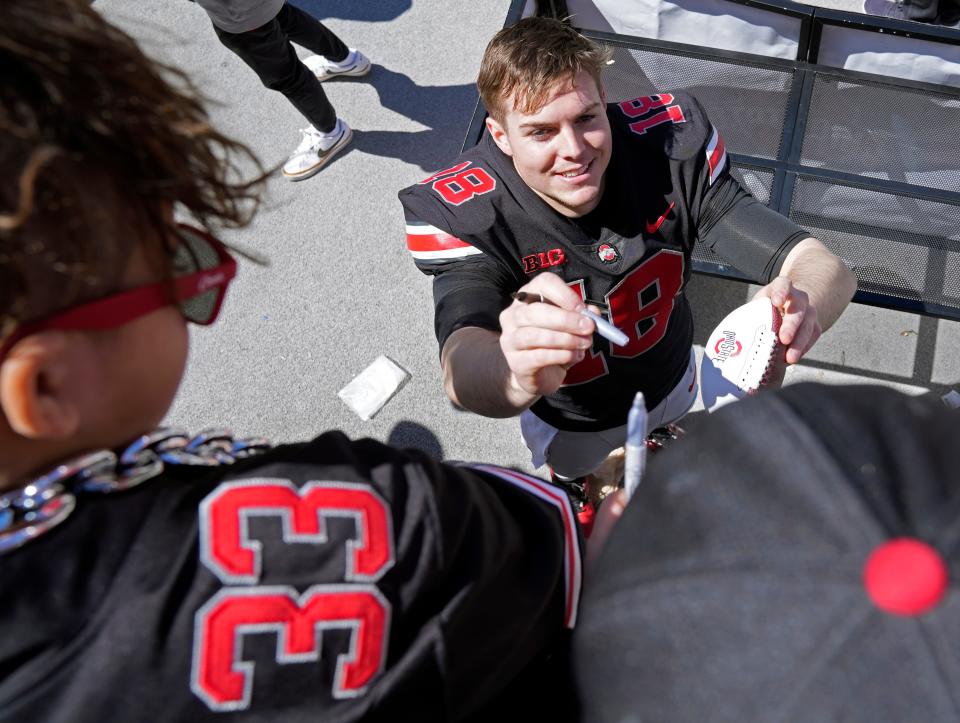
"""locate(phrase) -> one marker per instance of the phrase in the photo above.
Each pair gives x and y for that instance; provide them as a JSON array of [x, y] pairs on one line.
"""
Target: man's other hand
[[800, 328]]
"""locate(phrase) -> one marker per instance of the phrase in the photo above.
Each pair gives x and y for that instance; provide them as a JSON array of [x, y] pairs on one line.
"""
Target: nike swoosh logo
[[652, 227]]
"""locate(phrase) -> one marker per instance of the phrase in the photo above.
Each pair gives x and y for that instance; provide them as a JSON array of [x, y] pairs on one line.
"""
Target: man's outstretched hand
[[540, 341]]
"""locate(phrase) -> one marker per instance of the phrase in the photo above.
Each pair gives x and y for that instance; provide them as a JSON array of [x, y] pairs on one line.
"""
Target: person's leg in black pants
[[308, 32], [267, 50]]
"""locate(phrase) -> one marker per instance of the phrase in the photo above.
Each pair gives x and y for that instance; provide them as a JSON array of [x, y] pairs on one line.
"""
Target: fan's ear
[[39, 378]]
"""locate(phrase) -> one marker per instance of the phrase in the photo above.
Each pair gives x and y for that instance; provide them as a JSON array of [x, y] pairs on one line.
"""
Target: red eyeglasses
[[203, 268]]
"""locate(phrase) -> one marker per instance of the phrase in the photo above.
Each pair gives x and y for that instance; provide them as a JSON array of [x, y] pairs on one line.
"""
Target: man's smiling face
[[562, 149]]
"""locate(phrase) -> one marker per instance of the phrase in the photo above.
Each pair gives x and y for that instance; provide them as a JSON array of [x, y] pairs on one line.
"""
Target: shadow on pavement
[[411, 435], [445, 109]]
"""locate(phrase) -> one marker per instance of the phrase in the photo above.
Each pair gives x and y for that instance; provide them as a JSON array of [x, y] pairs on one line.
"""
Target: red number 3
[[640, 306], [220, 677], [224, 682]]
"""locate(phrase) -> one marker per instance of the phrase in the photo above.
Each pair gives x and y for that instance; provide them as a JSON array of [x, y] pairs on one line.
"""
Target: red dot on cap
[[905, 577]]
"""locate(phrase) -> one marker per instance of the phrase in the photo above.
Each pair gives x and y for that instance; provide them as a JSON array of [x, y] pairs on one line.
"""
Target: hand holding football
[[743, 354]]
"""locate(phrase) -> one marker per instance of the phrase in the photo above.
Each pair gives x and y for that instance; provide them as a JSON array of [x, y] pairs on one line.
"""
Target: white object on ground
[[373, 387]]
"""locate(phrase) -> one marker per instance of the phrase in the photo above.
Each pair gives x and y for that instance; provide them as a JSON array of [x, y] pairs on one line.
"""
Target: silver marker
[[604, 328], [607, 330], [635, 453]]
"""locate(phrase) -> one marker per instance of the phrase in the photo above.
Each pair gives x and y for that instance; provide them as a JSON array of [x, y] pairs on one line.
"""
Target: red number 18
[[458, 184], [640, 306]]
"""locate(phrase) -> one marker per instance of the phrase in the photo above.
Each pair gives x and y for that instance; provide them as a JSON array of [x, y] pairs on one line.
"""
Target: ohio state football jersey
[[329, 581], [482, 233]]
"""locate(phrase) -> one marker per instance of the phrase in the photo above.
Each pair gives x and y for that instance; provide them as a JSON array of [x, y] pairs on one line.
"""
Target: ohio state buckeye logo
[[727, 347], [608, 254]]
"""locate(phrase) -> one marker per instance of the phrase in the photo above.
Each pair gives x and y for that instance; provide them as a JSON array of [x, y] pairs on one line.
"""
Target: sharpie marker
[[604, 328], [635, 451]]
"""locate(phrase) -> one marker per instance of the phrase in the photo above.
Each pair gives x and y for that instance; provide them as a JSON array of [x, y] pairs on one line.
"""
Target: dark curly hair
[[98, 143]]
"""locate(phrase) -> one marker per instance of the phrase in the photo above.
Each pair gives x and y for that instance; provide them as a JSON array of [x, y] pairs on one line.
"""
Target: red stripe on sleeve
[[434, 242], [716, 155]]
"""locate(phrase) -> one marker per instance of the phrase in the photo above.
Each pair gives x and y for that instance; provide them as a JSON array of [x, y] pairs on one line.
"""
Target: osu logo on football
[[728, 346]]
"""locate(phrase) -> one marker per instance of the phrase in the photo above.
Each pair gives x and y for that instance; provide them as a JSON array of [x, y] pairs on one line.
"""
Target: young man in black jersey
[[151, 575], [609, 199]]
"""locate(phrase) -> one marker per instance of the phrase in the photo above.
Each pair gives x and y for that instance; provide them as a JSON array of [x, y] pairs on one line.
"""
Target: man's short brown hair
[[527, 60]]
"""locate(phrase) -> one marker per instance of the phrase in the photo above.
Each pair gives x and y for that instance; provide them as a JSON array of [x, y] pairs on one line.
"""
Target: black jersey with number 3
[[483, 233], [329, 581]]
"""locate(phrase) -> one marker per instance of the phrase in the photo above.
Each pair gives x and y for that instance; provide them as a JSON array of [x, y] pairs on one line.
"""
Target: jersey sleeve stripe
[[445, 254], [428, 242], [422, 229], [572, 564], [716, 155]]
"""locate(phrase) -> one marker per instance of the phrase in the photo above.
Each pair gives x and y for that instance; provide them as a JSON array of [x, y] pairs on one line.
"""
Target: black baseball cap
[[793, 558]]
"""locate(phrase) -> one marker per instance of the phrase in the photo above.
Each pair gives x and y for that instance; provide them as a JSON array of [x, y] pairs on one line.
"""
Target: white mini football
[[742, 355]]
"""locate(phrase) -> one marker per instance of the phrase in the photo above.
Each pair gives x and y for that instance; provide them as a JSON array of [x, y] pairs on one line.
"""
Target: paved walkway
[[341, 289]]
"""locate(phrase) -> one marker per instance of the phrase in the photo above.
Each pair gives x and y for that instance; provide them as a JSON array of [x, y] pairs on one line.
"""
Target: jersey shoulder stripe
[[552, 495], [716, 154], [454, 214], [429, 243]]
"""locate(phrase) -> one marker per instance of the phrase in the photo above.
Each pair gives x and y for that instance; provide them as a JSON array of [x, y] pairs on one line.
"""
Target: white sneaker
[[356, 63], [315, 150]]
